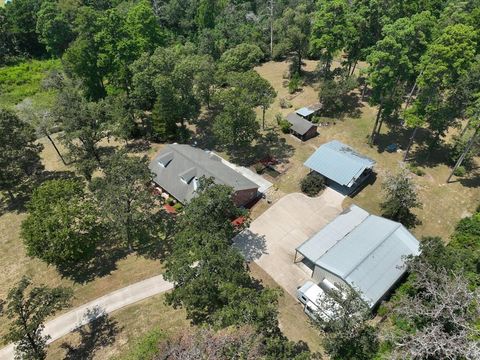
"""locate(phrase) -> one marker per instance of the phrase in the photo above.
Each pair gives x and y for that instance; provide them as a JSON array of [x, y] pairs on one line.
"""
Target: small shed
[[301, 127], [344, 168], [360, 250], [308, 111]]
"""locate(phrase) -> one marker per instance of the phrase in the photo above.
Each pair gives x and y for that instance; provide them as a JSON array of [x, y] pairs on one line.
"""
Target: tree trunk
[[464, 153], [410, 143], [364, 90], [374, 131], [56, 149], [299, 63], [354, 67], [11, 195], [263, 117], [271, 29], [410, 94]]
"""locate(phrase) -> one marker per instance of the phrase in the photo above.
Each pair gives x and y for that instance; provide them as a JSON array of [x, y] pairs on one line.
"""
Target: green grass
[[20, 81]]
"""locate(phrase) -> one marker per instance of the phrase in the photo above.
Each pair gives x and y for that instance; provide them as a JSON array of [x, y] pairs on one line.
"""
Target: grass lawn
[[14, 262], [20, 81], [124, 328], [443, 204]]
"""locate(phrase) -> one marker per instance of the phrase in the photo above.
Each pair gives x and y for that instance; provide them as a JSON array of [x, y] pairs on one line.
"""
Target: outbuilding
[[300, 127], [360, 250], [308, 112], [343, 167]]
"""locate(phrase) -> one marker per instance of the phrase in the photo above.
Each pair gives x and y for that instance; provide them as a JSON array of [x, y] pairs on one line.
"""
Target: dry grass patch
[[128, 324], [444, 204], [14, 262]]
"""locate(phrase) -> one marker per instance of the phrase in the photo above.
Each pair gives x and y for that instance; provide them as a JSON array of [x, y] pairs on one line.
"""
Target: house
[[301, 127], [309, 111], [360, 250], [178, 168], [343, 167]]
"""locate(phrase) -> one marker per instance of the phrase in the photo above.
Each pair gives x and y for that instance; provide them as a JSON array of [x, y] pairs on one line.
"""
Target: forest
[[104, 84]]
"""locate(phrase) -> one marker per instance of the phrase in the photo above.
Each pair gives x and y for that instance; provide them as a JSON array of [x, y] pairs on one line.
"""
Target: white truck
[[312, 296]]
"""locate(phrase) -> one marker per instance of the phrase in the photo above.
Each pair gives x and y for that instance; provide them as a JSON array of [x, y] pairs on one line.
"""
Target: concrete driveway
[[271, 239]]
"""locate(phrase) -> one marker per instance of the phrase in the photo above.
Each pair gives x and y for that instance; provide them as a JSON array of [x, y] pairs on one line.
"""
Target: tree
[[81, 59], [40, 119], [400, 198], [210, 276], [62, 227], [256, 88], [241, 343], [242, 57], [348, 335], [21, 16], [236, 126], [394, 63], [293, 30], [85, 124], [334, 94], [53, 28], [29, 307], [445, 63], [441, 311], [330, 30], [19, 153], [125, 202], [164, 126]]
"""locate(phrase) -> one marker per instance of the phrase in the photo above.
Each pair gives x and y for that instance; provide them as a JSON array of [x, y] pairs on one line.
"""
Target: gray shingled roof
[[364, 250], [177, 167], [339, 162], [299, 124]]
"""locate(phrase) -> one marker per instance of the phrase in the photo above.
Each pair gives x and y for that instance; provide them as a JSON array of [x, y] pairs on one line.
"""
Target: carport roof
[[339, 162], [364, 250]]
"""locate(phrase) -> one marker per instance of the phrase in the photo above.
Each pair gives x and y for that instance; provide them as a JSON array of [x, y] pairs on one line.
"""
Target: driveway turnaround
[[271, 239], [82, 315]]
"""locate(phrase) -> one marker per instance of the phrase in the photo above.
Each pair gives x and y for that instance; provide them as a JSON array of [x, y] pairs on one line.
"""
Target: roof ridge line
[[377, 246], [343, 237], [195, 164]]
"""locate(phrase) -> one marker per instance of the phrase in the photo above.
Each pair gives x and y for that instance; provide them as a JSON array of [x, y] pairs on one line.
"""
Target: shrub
[[178, 207], [460, 171], [170, 201], [294, 84], [312, 184], [285, 126], [416, 170], [258, 168], [285, 104]]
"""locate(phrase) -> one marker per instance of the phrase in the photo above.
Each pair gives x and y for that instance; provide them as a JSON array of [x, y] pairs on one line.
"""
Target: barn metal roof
[[309, 110], [364, 250], [339, 162]]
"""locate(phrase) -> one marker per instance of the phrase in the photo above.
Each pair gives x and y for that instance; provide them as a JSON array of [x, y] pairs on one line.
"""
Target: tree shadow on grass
[[24, 192], [102, 264], [100, 332], [268, 145]]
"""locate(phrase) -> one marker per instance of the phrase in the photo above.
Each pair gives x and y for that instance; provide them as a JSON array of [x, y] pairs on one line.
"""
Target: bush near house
[[312, 184]]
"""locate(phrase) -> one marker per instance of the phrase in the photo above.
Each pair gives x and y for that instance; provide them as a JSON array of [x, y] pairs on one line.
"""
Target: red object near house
[[238, 221], [269, 160], [169, 209]]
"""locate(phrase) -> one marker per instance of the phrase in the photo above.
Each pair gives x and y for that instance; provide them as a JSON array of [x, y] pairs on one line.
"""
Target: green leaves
[[62, 227], [19, 153], [28, 307]]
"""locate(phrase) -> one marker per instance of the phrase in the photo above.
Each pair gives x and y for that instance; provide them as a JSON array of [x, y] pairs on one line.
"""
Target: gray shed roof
[[177, 167], [339, 162], [309, 110], [299, 124], [366, 251]]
